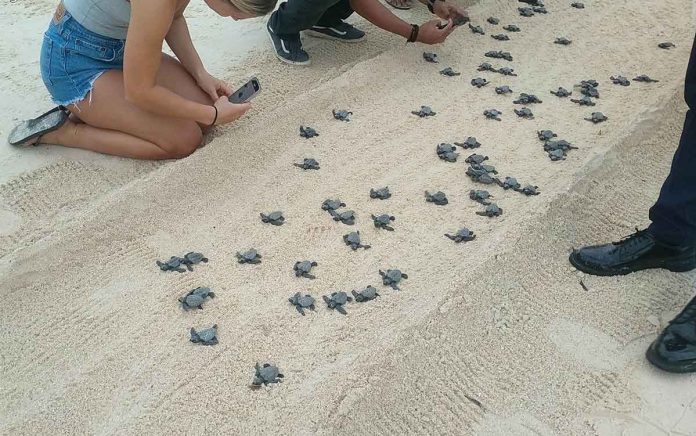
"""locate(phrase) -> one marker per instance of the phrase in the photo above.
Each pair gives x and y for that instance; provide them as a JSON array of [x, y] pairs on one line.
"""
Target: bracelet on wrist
[[216, 116], [414, 33]]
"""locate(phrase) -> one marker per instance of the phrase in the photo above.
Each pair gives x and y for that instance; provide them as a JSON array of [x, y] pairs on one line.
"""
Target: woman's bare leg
[[112, 125]]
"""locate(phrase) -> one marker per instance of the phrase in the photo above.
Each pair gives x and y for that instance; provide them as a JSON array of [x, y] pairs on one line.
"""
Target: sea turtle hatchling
[[462, 235], [383, 221], [439, 198], [458, 20], [205, 336], [620, 80], [195, 298], [578, 5], [584, 101], [479, 174], [480, 196], [380, 193], [352, 240], [512, 28], [304, 268], [557, 154], [560, 144], [476, 158], [492, 114], [589, 82], [505, 71], [562, 41], [525, 113], [477, 29], [499, 55], [193, 258], [266, 374], [308, 164], [392, 278], [529, 190], [367, 294], [308, 132], [561, 92], [449, 72], [503, 90], [500, 37], [486, 67], [330, 204], [479, 82], [492, 20], [545, 135], [346, 217], [470, 143], [173, 264], [430, 57], [509, 183], [540, 10], [526, 12], [276, 218], [302, 302], [249, 256], [446, 152], [527, 99], [597, 117], [341, 114], [666, 45], [492, 210], [337, 301], [424, 111], [645, 79]]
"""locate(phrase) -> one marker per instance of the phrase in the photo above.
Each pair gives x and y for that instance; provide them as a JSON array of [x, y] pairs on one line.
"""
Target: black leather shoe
[[675, 349], [636, 252]]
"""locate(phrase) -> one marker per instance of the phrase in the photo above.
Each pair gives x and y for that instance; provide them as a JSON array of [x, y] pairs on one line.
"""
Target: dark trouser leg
[[294, 16], [336, 14], [674, 215]]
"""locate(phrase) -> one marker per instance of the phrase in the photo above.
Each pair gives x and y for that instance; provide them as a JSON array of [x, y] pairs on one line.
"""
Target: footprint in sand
[[587, 345]]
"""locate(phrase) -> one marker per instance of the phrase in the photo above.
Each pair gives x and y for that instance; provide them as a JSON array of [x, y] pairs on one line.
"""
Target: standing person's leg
[[332, 25]]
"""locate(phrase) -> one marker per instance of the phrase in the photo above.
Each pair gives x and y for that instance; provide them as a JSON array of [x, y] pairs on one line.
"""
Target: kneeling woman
[[123, 96]]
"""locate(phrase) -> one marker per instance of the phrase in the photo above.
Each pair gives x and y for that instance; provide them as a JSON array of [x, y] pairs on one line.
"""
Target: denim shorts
[[73, 58]]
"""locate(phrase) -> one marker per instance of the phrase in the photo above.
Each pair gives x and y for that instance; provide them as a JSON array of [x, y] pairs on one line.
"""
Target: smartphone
[[246, 92]]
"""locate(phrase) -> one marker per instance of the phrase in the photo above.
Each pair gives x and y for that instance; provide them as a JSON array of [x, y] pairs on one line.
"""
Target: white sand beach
[[492, 337]]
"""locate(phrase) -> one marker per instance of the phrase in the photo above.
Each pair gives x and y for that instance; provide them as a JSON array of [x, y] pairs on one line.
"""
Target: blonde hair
[[257, 8]]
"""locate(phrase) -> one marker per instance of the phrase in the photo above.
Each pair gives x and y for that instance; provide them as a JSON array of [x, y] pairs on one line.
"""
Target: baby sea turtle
[[561, 92], [509, 183], [449, 72], [303, 268], [424, 111], [540, 10], [597, 117], [430, 57], [545, 135], [193, 258], [499, 55], [589, 91], [308, 132], [367, 294], [526, 12], [337, 301], [342, 114], [380, 193], [492, 210], [173, 264], [476, 159], [446, 152], [195, 298], [479, 82], [494, 21], [459, 20], [470, 143], [511, 28], [563, 41], [249, 256], [439, 198], [527, 99], [533, 2], [480, 196], [462, 235], [302, 302], [525, 113], [492, 114], [383, 221], [556, 155], [346, 217], [505, 71], [578, 5], [205, 336], [644, 78], [392, 278], [529, 190], [501, 37], [276, 218], [589, 82], [330, 204], [620, 80], [503, 90], [477, 29], [266, 374], [486, 67], [559, 145], [584, 101], [308, 164], [666, 45], [352, 240], [479, 173]]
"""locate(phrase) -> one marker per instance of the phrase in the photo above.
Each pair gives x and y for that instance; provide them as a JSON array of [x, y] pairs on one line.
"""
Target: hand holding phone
[[228, 111], [247, 91]]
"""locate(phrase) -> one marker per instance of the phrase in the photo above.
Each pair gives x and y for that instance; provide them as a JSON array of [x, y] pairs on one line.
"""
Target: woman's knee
[[184, 140]]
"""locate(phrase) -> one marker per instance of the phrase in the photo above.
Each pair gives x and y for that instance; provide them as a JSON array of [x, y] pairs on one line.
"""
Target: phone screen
[[246, 92]]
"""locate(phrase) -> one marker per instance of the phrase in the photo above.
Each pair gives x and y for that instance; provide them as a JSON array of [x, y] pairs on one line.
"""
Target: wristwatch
[[431, 5]]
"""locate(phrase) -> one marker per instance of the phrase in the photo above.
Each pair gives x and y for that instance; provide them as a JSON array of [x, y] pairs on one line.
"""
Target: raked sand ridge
[[94, 340]]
